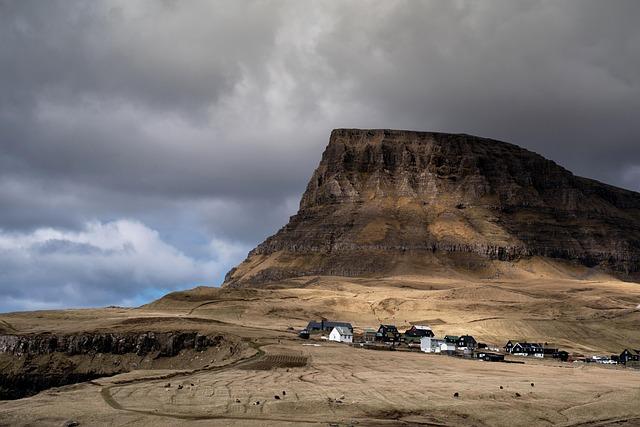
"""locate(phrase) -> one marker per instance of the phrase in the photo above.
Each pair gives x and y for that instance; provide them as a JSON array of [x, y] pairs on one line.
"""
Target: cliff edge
[[386, 202]]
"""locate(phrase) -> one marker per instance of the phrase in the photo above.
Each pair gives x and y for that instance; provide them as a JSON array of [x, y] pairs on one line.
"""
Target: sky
[[147, 146]]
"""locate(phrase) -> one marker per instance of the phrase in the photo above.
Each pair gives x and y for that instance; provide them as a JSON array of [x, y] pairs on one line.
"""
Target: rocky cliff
[[34, 362], [164, 344], [387, 202]]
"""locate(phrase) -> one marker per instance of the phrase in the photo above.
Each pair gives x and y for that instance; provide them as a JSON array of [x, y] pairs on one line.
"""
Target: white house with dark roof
[[341, 334]]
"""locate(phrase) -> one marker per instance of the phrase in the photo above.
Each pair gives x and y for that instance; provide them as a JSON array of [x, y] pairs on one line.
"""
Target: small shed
[[341, 334]]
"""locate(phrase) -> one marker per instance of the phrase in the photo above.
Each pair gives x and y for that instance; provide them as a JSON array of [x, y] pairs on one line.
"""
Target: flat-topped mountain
[[388, 202]]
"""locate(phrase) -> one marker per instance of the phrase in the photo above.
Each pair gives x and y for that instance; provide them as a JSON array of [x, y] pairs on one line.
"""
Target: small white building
[[430, 344], [447, 346], [341, 334]]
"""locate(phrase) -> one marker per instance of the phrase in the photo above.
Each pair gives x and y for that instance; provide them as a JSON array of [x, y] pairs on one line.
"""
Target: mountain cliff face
[[387, 202]]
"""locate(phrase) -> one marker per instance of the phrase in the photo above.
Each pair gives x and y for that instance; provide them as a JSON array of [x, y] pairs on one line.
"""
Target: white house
[[430, 345], [341, 334], [447, 346]]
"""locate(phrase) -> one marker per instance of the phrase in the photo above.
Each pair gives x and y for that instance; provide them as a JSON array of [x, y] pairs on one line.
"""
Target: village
[[422, 338]]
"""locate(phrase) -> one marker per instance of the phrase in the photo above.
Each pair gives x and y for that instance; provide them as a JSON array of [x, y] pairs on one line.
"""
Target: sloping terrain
[[285, 382], [585, 316]]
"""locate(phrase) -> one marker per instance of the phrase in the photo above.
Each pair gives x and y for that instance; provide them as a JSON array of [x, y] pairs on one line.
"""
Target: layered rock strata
[[386, 201]]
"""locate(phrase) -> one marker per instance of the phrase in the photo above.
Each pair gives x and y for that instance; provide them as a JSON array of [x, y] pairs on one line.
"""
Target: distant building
[[562, 355], [341, 334], [488, 356], [388, 333], [466, 342], [431, 345], [451, 339], [548, 350], [509, 346], [413, 335], [369, 335], [528, 349], [419, 331], [629, 356], [447, 347], [326, 326]]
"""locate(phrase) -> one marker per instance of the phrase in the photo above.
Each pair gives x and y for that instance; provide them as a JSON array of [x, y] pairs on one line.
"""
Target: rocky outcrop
[[36, 362], [386, 201], [164, 344]]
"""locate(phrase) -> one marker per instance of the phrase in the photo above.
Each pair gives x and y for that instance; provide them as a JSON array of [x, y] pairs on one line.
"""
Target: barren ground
[[334, 383]]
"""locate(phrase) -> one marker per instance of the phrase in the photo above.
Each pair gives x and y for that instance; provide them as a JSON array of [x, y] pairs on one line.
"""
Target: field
[[336, 384], [330, 383]]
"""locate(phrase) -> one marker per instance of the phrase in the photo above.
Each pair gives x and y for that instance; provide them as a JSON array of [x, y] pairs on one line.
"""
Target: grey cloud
[[204, 120], [66, 247]]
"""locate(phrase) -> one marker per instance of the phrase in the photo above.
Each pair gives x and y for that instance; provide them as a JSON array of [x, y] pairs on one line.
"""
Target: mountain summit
[[387, 202]]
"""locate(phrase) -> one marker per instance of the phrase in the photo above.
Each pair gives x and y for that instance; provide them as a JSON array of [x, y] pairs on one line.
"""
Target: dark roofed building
[[326, 326], [451, 339], [419, 331], [509, 346], [528, 349], [466, 341], [629, 356], [388, 333], [562, 355]]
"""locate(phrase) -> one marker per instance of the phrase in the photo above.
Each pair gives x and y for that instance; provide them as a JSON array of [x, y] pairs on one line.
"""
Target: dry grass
[[347, 385], [592, 315]]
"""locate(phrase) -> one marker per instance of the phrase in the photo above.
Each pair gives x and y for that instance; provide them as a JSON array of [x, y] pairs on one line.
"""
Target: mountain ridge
[[385, 201]]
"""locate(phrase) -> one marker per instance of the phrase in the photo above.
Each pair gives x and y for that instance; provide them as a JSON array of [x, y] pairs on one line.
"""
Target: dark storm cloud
[[196, 124]]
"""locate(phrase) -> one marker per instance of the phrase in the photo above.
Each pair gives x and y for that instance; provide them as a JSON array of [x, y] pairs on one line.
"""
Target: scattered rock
[[180, 387], [518, 394], [456, 394], [500, 387], [532, 385], [276, 397], [167, 385], [70, 423], [284, 393], [237, 400]]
